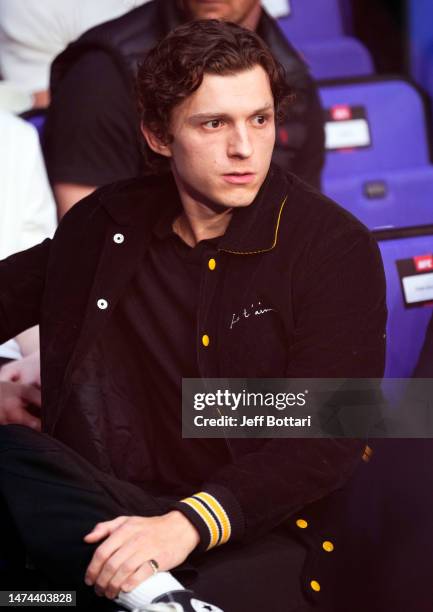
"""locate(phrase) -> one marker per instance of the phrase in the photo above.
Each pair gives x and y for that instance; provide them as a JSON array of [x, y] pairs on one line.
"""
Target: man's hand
[[14, 398], [121, 561], [26, 370]]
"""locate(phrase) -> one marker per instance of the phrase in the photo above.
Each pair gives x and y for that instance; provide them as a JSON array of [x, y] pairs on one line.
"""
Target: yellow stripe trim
[[221, 514], [262, 250], [207, 518]]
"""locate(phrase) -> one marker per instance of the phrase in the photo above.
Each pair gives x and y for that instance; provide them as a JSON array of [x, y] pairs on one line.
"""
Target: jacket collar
[[253, 229]]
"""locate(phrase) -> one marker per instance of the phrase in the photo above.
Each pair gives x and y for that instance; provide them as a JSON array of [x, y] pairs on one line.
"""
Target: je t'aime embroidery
[[255, 310]]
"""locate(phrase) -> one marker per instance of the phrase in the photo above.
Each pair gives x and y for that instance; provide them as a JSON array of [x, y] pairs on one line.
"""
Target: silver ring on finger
[[154, 565]]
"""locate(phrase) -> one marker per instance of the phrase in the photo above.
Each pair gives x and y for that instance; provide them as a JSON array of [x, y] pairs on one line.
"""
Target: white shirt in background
[[277, 8], [27, 208], [34, 32]]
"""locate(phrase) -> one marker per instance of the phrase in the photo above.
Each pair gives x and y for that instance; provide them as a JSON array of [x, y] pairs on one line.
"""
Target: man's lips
[[239, 178]]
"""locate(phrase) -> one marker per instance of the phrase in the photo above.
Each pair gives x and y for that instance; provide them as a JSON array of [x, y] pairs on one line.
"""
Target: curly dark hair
[[174, 69]]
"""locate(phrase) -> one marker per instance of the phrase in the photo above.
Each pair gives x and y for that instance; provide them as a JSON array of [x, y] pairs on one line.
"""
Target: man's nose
[[239, 144]]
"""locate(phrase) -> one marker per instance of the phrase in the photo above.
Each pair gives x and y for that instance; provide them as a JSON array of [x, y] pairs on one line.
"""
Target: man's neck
[[199, 220], [251, 20], [198, 223]]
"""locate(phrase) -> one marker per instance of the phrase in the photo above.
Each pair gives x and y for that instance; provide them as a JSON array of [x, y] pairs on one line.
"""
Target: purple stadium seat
[[378, 167], [407, 318], [317, 29], [312, 20], [385, 200], [37, 118], [378, 164], [337, 58]]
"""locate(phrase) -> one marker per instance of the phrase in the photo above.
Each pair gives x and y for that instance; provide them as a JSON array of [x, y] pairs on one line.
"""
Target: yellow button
[[328, 546], [368, 453], [301, 523], [315, 585], [212, 264], [205, 340]]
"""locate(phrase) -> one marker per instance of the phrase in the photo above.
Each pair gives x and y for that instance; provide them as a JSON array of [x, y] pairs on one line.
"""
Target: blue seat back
[[312, 20], [338, 58], [382, 172], [38, 121], [316, 29], [396, 118], [406, 325], [387, 200], [37, 118]]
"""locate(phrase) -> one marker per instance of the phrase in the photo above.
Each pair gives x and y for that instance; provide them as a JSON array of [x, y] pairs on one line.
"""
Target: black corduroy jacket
[[296, 252]]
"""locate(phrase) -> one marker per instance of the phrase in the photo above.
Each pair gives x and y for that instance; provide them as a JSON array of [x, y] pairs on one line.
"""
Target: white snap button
[[102, 304], [118, 238]]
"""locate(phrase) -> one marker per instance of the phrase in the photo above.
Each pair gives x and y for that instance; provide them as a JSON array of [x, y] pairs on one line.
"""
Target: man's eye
[[213, 123], [260, 119]]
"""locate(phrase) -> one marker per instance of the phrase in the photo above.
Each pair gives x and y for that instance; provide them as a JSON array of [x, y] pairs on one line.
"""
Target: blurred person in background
[[92, 131], [33, 32], [27, 216]]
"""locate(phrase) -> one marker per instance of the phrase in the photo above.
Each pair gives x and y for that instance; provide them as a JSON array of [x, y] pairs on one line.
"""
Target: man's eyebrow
[[213, 114]]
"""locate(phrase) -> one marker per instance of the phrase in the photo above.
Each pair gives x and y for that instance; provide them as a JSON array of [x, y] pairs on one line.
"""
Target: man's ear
[[154, 142]]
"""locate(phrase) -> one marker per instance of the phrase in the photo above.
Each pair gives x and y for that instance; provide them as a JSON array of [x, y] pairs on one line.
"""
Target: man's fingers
[[9, 373], [107, 548], [142, 573], [12, 408], [25, 370], [22, 417], [31, 395], [104, 529], [122, 564], [98, 533]]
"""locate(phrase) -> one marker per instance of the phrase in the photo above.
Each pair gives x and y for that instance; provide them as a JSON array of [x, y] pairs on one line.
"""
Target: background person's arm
[[68, 194], [91, 133]]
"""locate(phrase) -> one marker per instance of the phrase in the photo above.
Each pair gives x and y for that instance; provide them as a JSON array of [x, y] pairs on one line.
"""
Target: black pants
[[51, 497]]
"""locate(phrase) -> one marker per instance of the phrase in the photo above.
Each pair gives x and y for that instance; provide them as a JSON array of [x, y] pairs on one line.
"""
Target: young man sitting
[[139, 288]]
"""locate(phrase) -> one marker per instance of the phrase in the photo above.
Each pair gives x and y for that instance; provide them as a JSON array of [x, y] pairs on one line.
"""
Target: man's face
[[227, 10], [223, 138]]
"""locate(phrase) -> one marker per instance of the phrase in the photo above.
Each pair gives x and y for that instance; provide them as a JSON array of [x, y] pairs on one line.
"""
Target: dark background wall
[[382, 26]]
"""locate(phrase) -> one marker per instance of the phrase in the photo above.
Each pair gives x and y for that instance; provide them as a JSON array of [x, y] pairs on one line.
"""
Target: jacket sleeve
[[340, 333], [22, 282]]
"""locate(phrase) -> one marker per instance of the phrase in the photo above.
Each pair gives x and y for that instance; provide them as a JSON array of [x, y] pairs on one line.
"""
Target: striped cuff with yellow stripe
[[210, 517]]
